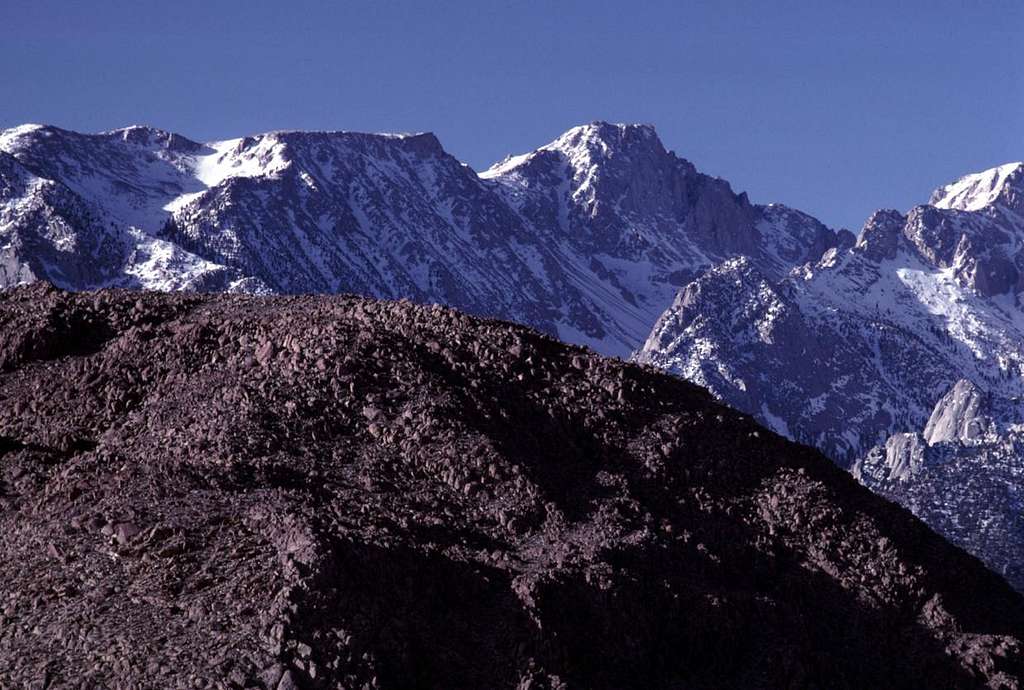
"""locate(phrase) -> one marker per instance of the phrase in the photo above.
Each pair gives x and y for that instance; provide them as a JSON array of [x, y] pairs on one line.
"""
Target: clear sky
[[834, 107]]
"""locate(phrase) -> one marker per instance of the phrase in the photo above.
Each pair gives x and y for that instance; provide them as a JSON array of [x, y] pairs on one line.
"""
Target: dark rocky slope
[[332, 492]]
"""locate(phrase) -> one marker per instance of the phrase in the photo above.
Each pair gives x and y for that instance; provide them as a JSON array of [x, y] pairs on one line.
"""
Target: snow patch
[[977, 191]]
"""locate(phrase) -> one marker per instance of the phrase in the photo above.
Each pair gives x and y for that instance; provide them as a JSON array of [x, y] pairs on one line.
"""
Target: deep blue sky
[[834, 107]]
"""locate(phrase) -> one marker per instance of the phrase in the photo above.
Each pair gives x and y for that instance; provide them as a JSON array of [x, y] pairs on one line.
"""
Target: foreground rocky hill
[[334, 492]]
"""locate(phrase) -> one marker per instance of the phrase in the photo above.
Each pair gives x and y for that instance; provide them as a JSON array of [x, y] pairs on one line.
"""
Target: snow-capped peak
[[14, 138], [135, 133], [12, 134], [979, 190], [582, 144], [605, 136]]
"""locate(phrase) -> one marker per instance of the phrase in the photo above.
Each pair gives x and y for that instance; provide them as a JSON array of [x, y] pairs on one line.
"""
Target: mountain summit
[[1001, 186]]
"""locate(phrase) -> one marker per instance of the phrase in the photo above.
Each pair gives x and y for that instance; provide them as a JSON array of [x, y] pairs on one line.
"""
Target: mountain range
[[587, 238], [601, 238]]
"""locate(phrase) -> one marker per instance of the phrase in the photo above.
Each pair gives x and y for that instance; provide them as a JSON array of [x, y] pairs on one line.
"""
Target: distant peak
[[880, 236], [585, 144], [127, 133], [1000, 185], [144, 135], [26, 128], [887, 216], [607, 135], [11, 138], [604, 128]]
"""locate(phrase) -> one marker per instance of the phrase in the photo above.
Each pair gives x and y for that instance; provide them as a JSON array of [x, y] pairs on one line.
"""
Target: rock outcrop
[[962, 475]]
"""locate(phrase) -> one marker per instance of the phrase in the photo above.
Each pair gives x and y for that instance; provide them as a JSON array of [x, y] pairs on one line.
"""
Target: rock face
[[335, 492], [587, 238], [903, 456], [963, 476], [961, 415]]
